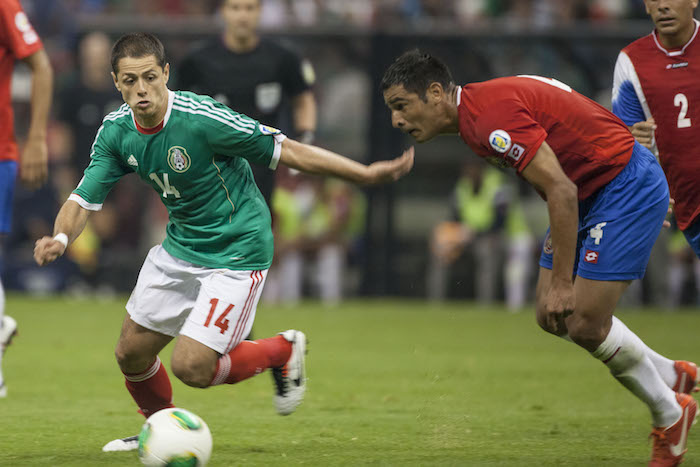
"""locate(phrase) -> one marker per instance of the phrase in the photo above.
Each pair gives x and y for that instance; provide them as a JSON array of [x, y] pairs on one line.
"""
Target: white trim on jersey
[[212, 116], [84, 204], [677, 52], [120, 112], [459, 95], [244, 123], [277, 153], [625, 71], [171, 98], [243, 120]]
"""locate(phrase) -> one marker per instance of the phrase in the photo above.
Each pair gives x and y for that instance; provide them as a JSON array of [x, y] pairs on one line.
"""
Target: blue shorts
[[619, 223], [692, 234], [8, 175]]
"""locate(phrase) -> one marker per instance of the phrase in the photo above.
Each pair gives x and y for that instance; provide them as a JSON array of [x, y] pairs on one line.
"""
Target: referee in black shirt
[[254, 76]]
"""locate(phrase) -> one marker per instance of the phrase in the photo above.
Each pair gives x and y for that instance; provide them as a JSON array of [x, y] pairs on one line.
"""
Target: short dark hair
[[137, 45], [415, 70]]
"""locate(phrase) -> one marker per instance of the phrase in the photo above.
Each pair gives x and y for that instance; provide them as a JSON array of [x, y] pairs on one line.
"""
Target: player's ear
[[166, 72], [436, 92], [116, 82]]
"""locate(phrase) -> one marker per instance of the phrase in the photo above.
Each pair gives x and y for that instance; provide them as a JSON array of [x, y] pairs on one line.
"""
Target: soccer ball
[[174, 437]]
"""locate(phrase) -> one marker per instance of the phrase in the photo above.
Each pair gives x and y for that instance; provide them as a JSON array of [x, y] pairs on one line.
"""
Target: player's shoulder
[[117, 118], [201, 109], [188, 101], [641, 46]]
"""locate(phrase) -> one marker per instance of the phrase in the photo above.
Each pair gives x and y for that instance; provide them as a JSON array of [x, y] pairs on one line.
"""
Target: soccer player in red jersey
[[656, 92], [19, 41], [607, 198]]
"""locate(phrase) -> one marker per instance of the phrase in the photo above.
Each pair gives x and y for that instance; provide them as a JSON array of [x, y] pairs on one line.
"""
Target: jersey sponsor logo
[[132, 161], [268, 130], [178, 159], [591, 257], [23, 26], [673, 66], [547, 245], [516, 152], [500, 141], [268, 96]]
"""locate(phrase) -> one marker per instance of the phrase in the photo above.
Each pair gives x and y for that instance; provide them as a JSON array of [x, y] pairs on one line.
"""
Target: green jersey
[[198, 164]]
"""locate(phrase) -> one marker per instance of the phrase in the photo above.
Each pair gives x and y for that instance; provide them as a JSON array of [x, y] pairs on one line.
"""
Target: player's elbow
[[564, 190]]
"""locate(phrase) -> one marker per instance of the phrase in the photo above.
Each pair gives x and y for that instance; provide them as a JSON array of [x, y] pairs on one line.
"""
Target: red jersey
[[506, 120], [18, 40], [665, 84]]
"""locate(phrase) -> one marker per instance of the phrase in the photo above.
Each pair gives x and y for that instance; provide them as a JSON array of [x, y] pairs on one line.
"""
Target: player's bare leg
[[593, 327], [193, 363], [679, 375], [144, 374]]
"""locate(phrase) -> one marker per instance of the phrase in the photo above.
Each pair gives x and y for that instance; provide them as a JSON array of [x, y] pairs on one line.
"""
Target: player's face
[[241, 16], [411, 114], [143, 84], [671, 16]]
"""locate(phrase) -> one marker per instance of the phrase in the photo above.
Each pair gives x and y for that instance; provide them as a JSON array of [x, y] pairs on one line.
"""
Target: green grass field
[[390, 383]]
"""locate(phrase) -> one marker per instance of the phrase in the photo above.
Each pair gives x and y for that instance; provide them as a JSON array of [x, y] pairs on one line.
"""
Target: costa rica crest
[[178, 159]]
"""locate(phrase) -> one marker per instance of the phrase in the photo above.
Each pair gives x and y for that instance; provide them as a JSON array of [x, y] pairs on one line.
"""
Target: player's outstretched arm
[[315, 160], [70, 222]]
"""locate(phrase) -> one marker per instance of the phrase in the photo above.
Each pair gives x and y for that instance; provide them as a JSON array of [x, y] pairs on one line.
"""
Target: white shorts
[[213, 306]]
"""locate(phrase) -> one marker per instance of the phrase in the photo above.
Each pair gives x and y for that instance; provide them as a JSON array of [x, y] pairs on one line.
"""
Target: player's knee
[[541, 316], [586, 332], [192, 372], [130, 361]]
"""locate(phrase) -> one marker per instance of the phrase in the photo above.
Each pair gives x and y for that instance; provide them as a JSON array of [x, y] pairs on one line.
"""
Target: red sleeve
[[508, 132], [18, 35]]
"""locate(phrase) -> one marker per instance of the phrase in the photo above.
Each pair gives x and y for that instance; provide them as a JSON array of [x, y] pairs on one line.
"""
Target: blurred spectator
[[478, 223], [317, 224], [254, 76], [489, 225]]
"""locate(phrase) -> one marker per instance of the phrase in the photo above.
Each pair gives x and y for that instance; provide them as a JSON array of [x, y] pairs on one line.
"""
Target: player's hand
[[47, 250], [390, 171], [643, 132], [559, 303], [33, 164], [671, 203]]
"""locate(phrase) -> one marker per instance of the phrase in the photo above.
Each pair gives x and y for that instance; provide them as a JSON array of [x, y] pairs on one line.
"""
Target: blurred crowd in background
[[471, 231]]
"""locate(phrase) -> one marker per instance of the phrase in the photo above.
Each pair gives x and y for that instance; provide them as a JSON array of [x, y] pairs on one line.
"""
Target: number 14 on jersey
[[165, 185]]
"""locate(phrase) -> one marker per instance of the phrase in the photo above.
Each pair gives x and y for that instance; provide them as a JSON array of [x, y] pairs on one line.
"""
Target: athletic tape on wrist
[[62, 238]]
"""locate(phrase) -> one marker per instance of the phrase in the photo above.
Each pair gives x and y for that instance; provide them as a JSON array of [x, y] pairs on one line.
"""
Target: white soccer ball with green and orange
[[175, 438]]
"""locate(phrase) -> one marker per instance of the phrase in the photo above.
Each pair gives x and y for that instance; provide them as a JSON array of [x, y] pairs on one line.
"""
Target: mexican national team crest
[[178, 159]]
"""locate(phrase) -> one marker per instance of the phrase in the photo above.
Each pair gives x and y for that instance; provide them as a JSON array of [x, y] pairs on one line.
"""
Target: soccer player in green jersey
[[202, 285]]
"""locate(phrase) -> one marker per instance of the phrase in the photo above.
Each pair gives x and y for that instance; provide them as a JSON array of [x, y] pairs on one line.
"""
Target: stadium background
[[349, 44], [393, 381]]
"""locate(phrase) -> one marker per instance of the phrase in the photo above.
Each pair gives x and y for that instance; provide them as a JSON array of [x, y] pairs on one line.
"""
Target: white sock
[[663, 365], [626, 356]]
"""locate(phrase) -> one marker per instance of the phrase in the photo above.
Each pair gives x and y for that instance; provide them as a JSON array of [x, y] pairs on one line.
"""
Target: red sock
[[250, 358], [151, 389]]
